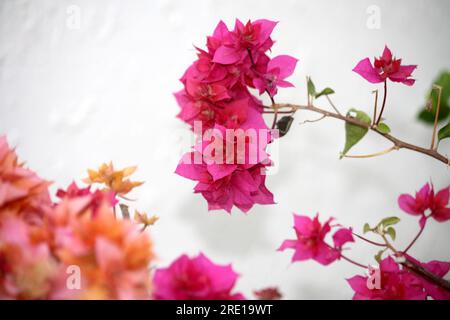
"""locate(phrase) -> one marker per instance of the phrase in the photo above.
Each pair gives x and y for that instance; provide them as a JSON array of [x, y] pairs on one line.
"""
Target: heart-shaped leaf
[[354, 133]]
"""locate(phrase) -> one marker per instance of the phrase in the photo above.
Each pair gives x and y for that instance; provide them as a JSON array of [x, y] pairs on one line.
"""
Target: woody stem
[[417, 268], [397, 142]]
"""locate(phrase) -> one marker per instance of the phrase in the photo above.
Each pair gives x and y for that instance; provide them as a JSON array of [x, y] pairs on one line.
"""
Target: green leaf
[[326, 91], [390, 221], [354, 133], [366, 228], [391, 231], [383, 128], [379, 255], [311, 88], [428, 116], [444, 132]]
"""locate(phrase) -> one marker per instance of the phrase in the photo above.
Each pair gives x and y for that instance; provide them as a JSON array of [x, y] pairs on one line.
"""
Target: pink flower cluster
[[195, 279], [398, 283], [216, 96], [311, 244], [398, 280]]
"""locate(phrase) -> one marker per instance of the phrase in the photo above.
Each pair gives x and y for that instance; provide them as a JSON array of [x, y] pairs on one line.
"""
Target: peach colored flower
[[145, 219], [112, 254], [114, 180]]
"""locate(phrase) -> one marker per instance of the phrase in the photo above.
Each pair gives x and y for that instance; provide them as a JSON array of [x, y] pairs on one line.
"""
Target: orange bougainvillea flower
[[40, 240], [21, 190], [112, 254], [145, 219], [114, 180]]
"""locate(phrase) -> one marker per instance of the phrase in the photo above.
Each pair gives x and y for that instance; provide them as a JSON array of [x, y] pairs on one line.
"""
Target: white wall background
[[71, 98]]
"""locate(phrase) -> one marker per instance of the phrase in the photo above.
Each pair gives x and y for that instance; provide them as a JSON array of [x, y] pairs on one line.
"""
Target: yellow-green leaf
[[390, 221], [354, 133], [326, 92], [444, 132], [311, 88], [391, 231], [383, 128]]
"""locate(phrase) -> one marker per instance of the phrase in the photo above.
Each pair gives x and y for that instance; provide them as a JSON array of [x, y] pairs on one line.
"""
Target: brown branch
[[424, 273], [397, 142], [417, 268]]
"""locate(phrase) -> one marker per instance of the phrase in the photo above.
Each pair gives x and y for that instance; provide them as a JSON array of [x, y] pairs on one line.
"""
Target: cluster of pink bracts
[[396, 282], [216, 97], [42, 240], [75, 248]]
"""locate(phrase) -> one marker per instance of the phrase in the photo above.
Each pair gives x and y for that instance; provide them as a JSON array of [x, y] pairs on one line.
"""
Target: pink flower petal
[[226, 55], [365, 69], [285, 63], [342, 236]]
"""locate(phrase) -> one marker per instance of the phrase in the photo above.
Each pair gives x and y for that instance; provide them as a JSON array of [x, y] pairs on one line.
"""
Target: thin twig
[[379, 244], [332, 105], [415, 239], [373, 155], [314, 120], [436, 118], [375, 106], [384, 102], [353, 262], [397, 142]]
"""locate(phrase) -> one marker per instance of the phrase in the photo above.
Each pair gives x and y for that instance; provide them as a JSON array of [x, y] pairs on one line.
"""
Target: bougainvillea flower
[[27, 269], [21, 190], [235, 45], [195, 279], [145, 219], [395, 284], [242, 188], [114, 180], [426, 199], [226, 150], [310, 242], [385, 67], [96, 197], [113, 255], [342, 236], [205, 91], [217, 93], [439, 269], [278, 69]]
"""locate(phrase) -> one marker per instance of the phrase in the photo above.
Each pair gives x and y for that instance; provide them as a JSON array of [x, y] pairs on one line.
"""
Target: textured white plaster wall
[[71, 98]]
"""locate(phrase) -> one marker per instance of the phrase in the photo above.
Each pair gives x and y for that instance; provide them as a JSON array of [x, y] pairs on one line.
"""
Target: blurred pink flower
[[22, 192], [195, 279], [96, 197], [396, 284]]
